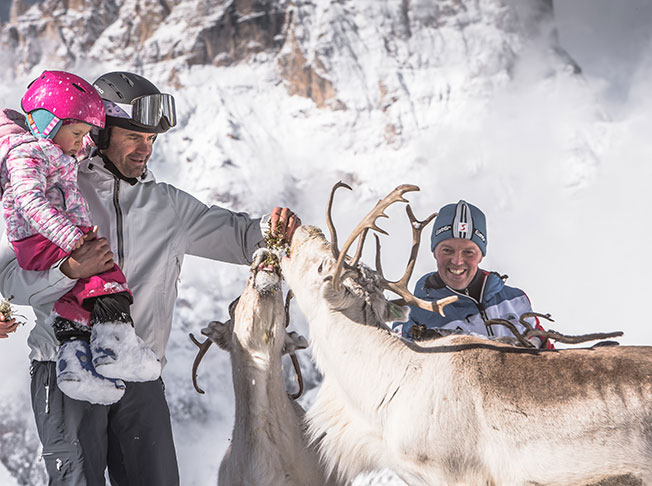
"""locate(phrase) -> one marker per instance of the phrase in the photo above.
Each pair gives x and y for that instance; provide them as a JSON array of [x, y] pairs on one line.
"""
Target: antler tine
[[417, 228], [582, 338], [527, 315], [203, 348], [288, 298], [358, 251], [329, 219], [232, 306], [379, 265], [510, 325], [297, 370], [369, 222], [293, 357]]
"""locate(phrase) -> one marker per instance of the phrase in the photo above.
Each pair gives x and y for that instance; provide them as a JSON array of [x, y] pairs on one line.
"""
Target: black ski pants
[[132, 437]]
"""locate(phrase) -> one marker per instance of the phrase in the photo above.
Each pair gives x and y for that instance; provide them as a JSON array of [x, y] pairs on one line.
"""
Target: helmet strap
[[101, 137]]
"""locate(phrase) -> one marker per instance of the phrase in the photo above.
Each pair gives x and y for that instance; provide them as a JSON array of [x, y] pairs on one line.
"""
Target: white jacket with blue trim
[[497, 301]]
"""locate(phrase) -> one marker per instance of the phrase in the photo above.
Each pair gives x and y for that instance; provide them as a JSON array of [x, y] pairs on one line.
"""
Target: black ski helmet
[[133, 103]]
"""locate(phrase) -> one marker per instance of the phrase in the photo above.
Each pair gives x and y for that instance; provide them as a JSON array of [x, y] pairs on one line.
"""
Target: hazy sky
[[608, 38]]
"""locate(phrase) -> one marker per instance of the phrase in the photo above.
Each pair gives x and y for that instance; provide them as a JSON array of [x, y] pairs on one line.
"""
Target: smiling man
[[459, 243]]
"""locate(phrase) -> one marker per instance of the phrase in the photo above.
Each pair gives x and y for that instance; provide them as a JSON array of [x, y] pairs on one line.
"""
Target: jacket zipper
[[479, 305], [47, 393], [483, 313], [118, 220]]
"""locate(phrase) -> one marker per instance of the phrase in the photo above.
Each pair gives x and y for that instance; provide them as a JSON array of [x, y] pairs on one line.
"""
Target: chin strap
[[110, 166]]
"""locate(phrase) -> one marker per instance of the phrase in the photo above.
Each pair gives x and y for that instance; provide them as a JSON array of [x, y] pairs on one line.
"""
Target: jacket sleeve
[[217, 233], [28, 180], [30, 287]]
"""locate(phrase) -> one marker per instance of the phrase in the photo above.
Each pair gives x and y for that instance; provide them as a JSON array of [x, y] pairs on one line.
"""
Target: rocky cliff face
[[346, 54]]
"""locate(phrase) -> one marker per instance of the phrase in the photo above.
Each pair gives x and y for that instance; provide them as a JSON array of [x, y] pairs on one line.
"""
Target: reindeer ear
[[293, 341], [344, 298], [393, 312], [219, 333]]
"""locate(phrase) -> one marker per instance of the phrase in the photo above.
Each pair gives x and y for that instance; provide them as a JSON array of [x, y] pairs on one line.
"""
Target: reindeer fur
[[463, 410]]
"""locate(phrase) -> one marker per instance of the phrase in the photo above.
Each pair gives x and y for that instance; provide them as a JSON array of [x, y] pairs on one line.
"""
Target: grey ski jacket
[[150, 227]]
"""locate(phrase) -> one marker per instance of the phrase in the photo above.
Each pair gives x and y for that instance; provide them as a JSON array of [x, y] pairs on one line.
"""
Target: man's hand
[[7, 327], [92, 258], [283, 223]]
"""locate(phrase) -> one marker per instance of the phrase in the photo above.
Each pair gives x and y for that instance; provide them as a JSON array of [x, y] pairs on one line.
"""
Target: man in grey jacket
[[146, 228]]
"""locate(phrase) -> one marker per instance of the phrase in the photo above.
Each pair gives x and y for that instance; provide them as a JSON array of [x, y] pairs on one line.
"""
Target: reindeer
[[268, 446], [458, 410]]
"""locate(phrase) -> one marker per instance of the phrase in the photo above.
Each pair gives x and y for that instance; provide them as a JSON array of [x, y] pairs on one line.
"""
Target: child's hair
[[56, 98]]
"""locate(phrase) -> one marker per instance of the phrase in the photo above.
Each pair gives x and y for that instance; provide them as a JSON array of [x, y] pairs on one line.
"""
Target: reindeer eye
[[321, 267]]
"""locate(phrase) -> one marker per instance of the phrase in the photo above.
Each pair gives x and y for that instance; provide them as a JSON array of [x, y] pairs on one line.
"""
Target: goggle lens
[[149, 110]]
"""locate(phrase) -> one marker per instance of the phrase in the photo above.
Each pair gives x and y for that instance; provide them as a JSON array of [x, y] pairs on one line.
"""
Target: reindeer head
[[257, 319], [320, 274]]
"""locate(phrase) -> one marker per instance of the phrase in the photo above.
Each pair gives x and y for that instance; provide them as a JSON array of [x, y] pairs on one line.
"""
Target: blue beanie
[[461, 220]]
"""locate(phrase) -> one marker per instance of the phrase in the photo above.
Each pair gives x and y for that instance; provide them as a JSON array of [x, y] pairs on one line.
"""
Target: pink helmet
[[64, 96]]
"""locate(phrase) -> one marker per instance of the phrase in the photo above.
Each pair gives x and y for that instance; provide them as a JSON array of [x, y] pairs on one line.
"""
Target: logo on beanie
[[441, 229], [462, 227], [480, 235]]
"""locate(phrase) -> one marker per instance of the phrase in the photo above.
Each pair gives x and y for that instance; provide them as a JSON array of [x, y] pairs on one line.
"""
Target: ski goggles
[[147, 111]]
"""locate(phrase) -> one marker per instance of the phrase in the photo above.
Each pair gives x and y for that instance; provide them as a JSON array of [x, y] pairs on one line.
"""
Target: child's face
[[69, 137]]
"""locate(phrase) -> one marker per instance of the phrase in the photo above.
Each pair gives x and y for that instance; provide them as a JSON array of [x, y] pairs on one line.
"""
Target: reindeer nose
[[266, 267]]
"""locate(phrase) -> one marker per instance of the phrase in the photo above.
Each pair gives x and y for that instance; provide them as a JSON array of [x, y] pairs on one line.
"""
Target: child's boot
[[77, 378], [117, 351]]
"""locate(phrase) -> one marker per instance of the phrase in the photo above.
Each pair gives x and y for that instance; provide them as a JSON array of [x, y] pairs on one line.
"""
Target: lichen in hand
[[277, 246], [7, 310]]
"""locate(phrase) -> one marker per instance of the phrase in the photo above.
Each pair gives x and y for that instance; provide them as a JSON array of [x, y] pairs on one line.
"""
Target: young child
[[47, 218]]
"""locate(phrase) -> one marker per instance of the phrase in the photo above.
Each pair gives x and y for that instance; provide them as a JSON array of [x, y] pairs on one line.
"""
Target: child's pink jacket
[[38, 183]]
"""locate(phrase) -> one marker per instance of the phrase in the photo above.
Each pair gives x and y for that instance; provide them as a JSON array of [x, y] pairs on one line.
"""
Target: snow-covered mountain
[[278, 100]]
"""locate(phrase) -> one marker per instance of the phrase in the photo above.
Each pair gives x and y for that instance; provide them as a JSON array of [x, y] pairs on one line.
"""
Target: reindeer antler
[[293, 356], [329, 219], [399, 287], [203, 348], [549, 334], [367, 223]]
